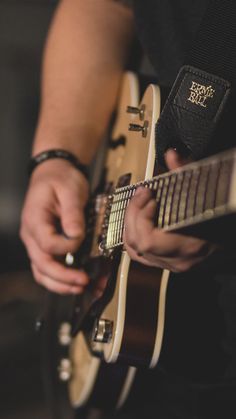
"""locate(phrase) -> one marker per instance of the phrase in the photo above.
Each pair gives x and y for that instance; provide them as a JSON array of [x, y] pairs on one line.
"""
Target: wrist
[[57, 153]]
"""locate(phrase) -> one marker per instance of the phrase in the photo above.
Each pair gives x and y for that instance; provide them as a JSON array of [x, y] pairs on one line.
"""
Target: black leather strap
[[191, 113], [200, 93]]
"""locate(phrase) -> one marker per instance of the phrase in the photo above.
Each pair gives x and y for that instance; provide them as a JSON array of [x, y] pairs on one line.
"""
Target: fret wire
[[190, 174], [184, 196], [223, 182], [108, 229], [157, 190], [124, 209], [151, 185], [170, 197], [193, 185], [117, 218], [220, 186], [181, 207], [155, 184], [123, 200], [198, 175], [229, 174], [116, 227], [205, 186], [176, 197], [124, 206], [114, 218], [167, 185], [199, 198], [121, 204], [162, 202], [111, 218], [217, 168], [120, 217], [210, 187]]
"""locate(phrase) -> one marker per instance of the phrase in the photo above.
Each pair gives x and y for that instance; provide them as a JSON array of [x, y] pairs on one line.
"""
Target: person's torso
[[166, 29]]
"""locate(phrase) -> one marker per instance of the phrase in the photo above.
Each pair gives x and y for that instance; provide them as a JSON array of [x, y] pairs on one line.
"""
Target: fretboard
[[197, 191]]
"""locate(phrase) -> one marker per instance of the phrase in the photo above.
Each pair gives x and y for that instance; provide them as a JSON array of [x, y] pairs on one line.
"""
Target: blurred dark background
[[29, 359], [29, 385], [23, 28]]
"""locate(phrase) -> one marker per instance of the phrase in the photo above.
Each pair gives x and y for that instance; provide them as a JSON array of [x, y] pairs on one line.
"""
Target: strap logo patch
[[191, 112], [199, 93]]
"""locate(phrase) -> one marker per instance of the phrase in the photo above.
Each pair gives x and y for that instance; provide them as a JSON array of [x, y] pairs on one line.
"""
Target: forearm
[[83, 61]]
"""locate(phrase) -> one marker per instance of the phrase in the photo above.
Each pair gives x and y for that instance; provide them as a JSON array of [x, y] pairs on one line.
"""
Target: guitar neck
[[198, 192]]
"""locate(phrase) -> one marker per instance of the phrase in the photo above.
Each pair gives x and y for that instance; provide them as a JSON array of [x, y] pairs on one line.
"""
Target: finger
[[141, 235], [145, 222], [43, 230], [150, 260], [162, 244], [174, 159], [152, 240], [72, 215], [53, 285], [175, 245], [176, 265], [49, 267], [139, 200]]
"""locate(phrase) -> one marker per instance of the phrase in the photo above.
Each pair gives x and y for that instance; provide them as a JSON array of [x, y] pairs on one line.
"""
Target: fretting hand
[[151, 246]]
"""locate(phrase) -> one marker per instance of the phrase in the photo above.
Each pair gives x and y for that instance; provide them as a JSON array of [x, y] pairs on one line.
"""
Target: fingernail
[[75, 233], [76, 290], [81, 282]]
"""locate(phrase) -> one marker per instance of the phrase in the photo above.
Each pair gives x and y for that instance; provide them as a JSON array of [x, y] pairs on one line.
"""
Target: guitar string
[[202, 182], [122, 196]]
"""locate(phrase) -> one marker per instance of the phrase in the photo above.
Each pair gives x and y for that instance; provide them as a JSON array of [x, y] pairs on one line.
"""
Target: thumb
[[174, 160], [72, 218]]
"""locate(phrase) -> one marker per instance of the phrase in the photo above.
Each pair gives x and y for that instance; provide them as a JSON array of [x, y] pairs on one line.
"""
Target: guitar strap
[[197, 100]]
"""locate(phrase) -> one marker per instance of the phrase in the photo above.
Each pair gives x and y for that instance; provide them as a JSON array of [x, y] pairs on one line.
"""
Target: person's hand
[[57, 194], [154, 247]]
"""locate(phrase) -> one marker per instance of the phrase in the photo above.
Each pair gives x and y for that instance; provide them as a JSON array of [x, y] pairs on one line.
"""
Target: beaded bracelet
[[57, 154]]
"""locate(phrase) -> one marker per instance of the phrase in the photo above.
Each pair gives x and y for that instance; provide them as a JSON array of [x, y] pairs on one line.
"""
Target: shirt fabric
[[200, 332]]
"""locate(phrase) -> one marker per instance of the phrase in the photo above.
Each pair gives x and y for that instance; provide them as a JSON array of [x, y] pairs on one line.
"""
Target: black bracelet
[[57, 154]]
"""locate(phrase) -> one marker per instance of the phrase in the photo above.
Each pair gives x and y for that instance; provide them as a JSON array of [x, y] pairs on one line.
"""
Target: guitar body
[[90, 382], [94, 383], [137, 313], [137, 332]]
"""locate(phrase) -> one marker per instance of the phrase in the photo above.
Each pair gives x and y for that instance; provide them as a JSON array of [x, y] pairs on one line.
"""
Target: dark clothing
[[166, 29], [198, 359]]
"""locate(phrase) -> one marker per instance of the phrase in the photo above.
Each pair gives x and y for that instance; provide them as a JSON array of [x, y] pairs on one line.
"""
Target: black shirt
[[166, 29], [200, 332]]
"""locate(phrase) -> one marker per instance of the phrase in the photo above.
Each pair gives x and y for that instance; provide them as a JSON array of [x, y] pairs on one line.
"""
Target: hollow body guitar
[[130, 159], [198, 199]]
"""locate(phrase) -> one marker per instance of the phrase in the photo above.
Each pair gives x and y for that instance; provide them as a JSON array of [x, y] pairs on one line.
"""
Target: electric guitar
[[125, 326], [93, 382]]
